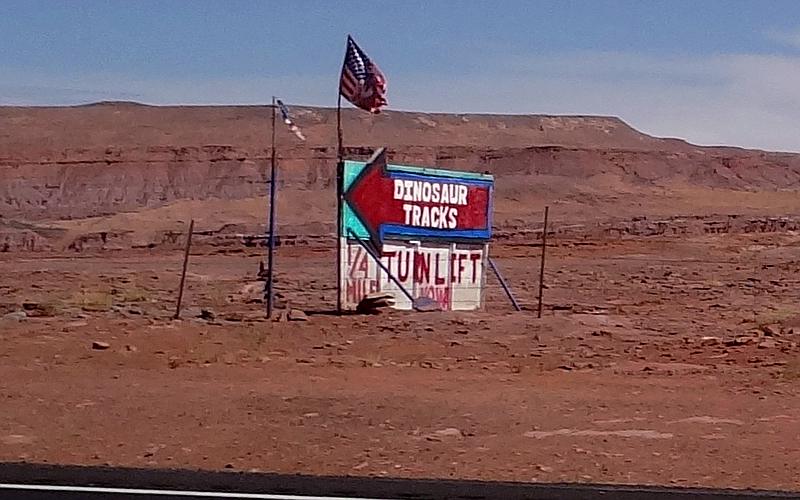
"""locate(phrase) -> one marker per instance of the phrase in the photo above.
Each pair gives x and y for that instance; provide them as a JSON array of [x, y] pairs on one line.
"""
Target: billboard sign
[[450, 274], [393, 201], [429, 227]]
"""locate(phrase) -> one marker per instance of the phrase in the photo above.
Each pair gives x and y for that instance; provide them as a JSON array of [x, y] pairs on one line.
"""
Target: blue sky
[[714, 72]]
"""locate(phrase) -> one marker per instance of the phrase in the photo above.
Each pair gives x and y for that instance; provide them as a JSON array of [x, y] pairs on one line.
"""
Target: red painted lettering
[[364, 266], [422, 267], [402, 274], [461, 259], [355, 290], [475, 257], [389, 256], [443, 297], [438, 280], [354, 262], [440, 294]]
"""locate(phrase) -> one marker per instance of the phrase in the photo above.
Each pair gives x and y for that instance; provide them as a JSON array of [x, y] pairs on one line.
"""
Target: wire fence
[[580, 271], [598, 274]]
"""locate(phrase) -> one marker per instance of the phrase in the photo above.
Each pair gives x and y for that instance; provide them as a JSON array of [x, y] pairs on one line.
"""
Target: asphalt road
[[49, 482]]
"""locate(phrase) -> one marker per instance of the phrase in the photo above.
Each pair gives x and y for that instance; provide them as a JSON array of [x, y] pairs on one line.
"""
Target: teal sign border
[[351, 223]]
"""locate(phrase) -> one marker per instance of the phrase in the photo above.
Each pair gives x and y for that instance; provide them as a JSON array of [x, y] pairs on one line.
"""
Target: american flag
[[288, 120], [362, 83]]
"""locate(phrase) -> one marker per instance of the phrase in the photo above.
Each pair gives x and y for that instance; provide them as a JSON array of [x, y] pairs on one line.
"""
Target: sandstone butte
[[127, 174]]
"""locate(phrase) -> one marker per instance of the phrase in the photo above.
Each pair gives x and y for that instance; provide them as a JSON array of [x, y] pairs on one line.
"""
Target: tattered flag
[[362, 82], [288, 120]]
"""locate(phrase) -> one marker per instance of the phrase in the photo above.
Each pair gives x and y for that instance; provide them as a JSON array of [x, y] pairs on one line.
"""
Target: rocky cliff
[[107, 159]]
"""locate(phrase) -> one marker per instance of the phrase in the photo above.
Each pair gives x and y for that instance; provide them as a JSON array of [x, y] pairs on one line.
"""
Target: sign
[[414, 202], [429, 227], [452, 275]]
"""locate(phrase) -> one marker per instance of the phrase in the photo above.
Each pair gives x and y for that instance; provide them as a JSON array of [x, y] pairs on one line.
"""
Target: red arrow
[[371, 196]]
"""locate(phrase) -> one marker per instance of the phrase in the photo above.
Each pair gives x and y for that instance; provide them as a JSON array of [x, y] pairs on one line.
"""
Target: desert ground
[[668, 351], [667, 361]]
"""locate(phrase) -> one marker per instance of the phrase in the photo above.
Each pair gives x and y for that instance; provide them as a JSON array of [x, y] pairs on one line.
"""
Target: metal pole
[[269, 286], [339, 140], [504, 284], [541, 270], [339, 200], [185, 265]]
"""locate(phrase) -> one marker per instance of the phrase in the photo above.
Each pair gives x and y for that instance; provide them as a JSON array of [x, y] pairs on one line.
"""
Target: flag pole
[[269, 286], [339, 198]]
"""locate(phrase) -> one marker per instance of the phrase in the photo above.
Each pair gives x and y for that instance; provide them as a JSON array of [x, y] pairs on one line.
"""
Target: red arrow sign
[[419, 204]]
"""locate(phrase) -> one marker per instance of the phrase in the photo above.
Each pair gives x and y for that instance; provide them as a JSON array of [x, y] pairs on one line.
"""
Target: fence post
[[185, 264], [541, 269]]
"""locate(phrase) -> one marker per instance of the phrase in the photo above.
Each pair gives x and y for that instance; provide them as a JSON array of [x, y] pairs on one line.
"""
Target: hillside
[[135, 169]]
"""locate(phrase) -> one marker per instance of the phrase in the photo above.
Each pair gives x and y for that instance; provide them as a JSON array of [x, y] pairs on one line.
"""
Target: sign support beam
[[504, 285]]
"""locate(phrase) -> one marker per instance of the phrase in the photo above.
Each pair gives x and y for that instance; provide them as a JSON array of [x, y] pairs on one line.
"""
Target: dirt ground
[[672, 360]]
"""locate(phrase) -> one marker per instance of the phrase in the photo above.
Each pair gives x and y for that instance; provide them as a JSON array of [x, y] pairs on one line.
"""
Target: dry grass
[[101, 300], [778, 315], [92, 300], [792, 370], [133, 294]]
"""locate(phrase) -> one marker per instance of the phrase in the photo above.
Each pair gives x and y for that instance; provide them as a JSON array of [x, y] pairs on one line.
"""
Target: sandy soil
[[668, 360], [667, 355]]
